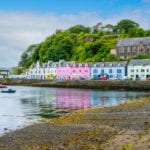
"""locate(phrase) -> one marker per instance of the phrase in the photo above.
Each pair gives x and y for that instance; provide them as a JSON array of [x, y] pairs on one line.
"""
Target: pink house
[[81, 70], [73, 71]]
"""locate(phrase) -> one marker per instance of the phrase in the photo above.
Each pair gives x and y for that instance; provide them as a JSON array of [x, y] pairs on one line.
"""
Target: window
[[110, 70], [142, 70], [132, 70], [111, 76], [147, 70], [95, 71], [86, 70], [74, 71], [119, 71], [132, 76], [102, 71]]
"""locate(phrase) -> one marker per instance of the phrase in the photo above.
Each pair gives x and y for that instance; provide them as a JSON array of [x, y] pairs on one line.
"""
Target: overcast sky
[[26, 22]]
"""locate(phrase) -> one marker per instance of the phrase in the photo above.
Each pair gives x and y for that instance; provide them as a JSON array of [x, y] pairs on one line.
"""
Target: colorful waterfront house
[[81, 71], [50, 70], [35, 72], [42, 71], [139, 69], [64, 70], [112, 70], [73, 71]]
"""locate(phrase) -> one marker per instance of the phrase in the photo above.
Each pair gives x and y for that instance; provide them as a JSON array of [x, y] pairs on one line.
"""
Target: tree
[[147, 33], [139, 32], [123, 34], [97, 27], [79, 28], [108, 27], [24, 59], [126, 24], [132, 32]]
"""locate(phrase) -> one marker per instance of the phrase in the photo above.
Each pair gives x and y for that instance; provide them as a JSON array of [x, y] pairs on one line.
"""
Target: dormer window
[[95, 65], [80, 65], [102, 65], [110, 65]]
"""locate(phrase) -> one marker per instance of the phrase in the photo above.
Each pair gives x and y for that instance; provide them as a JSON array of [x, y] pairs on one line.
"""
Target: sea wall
[[90, 84]]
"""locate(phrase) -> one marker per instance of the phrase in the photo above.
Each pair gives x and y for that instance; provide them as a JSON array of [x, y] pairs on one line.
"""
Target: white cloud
[[20, 29]]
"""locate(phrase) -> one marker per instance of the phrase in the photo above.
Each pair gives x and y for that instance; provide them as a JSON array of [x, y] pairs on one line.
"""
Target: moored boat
[[8, 91], [3, 86]]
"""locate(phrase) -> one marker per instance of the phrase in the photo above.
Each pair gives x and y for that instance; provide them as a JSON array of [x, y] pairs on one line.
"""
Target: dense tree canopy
[[82, 44]]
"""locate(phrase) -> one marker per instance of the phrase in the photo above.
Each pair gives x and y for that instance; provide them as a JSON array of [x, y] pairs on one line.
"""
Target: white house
[[43, 71], [139, 69]]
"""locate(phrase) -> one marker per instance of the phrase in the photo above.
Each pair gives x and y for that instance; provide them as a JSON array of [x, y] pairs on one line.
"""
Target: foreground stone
[[122, 127]]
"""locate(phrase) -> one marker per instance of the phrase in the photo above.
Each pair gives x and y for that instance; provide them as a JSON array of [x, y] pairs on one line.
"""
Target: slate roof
[[64, 64], [139, 62], [110, 64], [3, 69], [133, 41]]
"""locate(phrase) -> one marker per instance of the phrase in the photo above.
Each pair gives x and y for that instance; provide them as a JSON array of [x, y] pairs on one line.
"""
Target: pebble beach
[[126, 126]]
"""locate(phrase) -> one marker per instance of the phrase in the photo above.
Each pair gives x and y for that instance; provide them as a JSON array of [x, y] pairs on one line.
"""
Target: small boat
[[8, 91], [3, 86]]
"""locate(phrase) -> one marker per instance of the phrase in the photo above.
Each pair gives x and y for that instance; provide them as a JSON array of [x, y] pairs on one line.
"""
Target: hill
[[82, 44]]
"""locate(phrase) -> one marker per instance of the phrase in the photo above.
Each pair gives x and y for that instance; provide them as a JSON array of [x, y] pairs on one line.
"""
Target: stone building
[[131, 47]]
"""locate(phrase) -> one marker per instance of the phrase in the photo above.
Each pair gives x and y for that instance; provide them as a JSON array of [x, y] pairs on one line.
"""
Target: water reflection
[[72, 99], [103, 98], [28, 104]]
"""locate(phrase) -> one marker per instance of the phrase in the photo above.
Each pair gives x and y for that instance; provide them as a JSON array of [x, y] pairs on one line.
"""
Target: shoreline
[[118, 127], [127, 85]]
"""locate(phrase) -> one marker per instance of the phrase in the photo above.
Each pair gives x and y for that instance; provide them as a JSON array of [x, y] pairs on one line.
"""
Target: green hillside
[[82, 44]]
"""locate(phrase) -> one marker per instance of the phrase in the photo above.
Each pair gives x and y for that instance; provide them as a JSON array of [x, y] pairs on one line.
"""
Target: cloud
[[18, 30]]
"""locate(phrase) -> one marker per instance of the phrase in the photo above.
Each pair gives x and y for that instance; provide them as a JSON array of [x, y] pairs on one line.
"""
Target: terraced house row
[[70, 70]]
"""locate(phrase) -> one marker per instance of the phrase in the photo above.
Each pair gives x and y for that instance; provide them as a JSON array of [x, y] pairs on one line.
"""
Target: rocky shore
[[122, 127], [92, 84]]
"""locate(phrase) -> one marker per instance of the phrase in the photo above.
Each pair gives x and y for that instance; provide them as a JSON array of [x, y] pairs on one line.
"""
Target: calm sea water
[[30, 104]]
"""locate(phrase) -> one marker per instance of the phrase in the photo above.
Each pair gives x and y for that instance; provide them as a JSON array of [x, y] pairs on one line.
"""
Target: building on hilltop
[[139, 69], [131, 47]]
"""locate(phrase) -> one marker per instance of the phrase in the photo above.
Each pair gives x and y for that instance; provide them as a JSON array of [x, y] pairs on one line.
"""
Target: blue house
[[113, 70]]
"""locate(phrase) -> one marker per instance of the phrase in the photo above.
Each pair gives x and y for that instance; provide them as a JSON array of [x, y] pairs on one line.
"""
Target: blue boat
[[8, 91]]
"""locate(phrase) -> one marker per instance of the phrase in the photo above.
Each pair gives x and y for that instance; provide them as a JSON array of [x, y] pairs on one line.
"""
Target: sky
[[26, 22]]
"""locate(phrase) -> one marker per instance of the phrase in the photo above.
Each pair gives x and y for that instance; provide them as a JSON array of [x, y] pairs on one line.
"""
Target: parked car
[[103, 78], [74, 78], [148, 78]]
